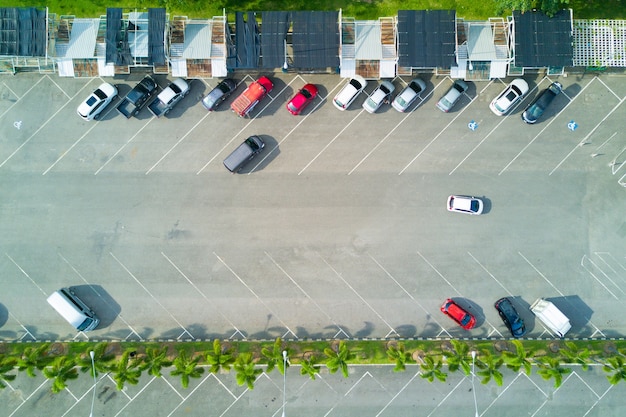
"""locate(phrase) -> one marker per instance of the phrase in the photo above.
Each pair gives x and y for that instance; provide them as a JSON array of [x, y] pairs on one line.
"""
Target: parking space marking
[[26, 275], [18, 97], [441, 131], [443, 400], [400, 391], [59, 87], [490, 274], [26, 331], [340, 330], [152, 296], [584, 140], [183, 398], [130, 399], [409, 294], [392, 330], [582, 263], [101, 298], [256, 295], [24, 401], [124, 145], [237, 331], [607, 87], [42, 125]]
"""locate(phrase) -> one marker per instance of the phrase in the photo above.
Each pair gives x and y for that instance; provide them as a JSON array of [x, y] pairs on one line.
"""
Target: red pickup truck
[[251, 96]]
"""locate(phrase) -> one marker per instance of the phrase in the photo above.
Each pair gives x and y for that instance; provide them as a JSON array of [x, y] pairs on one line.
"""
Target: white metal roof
[[82, 42], [197, 40], [368, 44]]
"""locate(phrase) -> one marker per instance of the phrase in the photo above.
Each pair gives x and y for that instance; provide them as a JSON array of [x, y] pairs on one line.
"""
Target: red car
[[302, 99], [456, 313]]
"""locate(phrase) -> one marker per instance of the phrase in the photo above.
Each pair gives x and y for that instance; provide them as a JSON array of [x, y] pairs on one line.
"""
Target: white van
[[73, 309], [551, 317]]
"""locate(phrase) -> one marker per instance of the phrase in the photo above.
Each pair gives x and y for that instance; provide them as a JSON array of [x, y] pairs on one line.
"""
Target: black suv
[[541, 103], [510, 317]]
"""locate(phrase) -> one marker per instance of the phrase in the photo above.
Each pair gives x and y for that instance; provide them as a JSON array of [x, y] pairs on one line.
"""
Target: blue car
[[509, 316]]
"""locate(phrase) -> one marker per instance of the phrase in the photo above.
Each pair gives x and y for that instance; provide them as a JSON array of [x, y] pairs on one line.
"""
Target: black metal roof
[[247, 40], [156, 36], [23, 32], [542, 41], [273, 35], [315, 39], [426, 38]]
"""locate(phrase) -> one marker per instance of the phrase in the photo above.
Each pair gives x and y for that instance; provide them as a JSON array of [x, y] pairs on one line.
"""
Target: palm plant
[[399, 356], [7, 364], [339, 359], [101, 359], [126, 370], [34, 358], [431, 370], [247, 372], [186, 367], [60, 371], [521, 358], [576, 355], [154, 360], [219, 358], [489, 366], [551, 368], [617, 367], [458, 357], [309, 367], [274, 356]]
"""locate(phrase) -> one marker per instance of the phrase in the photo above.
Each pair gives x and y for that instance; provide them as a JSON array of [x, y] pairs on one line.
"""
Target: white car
[[98, 100], [410, 93], [465, 204], [379, 96], [511, 95], [349, 92]]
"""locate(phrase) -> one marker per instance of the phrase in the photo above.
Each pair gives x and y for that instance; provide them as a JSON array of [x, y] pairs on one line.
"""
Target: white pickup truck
[[168, 98]]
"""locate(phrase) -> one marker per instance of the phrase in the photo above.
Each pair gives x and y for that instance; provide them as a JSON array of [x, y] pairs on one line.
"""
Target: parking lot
[[337, 229]]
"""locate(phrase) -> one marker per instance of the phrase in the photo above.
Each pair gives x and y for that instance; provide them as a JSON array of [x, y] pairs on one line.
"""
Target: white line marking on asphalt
[[59, 87], [27, 332], [606, 141], [39, 129], [101, 297], [188, 395], [26, 275], [202, 294], [397, 394], [18, 97], [124, 145], [443, 400], [131, 399], [150, 294], [440, 274], [490, 274], [69, 149], [582, 263], [253, 293], [45, 381], [598, 400], [607, 87], [588, 135]]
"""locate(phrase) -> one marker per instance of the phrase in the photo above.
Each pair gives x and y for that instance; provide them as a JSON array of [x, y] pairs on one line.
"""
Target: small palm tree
[[101, 359], [155, 360], [490, 368], [575, 355], [399, 356], [274, 357], [34, 358], [247, 372], [459, 357], [521, 358], [186, 367], [431, 370], [126, 370], [617, 367], [339, 359], [309, 367], [219, 358], [7, 364], [551, 368], [60, 371]]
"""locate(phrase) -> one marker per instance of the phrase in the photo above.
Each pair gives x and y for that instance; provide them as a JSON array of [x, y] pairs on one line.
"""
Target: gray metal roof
[[367, 42], [480, 42], [197, 40], [83, 38]]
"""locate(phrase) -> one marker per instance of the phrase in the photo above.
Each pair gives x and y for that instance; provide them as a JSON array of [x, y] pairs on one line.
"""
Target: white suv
[[349, 92]]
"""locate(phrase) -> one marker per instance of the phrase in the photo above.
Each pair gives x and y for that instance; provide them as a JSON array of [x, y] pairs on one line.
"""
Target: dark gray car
[[535, 109], [509, 316], [219, 94], [244, 153]]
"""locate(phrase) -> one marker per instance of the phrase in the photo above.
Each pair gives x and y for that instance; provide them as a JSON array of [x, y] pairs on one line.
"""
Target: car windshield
[[305, 93], [100, 94], [415, 87], [356, 84], [401, 101], [252, 144], [474, 206]]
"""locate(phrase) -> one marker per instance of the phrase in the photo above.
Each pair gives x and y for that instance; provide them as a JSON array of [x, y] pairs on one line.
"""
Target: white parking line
[[588, 135], [18, 97], [582, 263], [124, 145], [26, 275], [59, 87], [490, 274]]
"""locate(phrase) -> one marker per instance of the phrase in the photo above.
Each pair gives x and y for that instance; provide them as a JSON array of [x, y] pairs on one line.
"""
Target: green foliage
[[551, 368], [459, 357], [577, 355], [247, 372], [126, 370], [155, 360], [219, 358], [7, 364], [431, 370], [515, 361], [186, 367], [309, 367], [34, 358], [60, 371], [339, 359], [101, 359], [399, 356], [489, 367], [615, 366], [274, 356]]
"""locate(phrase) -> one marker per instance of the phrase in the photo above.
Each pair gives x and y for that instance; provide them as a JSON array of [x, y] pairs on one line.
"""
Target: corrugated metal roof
[[197, 40], [542, 41], [368, 44], [480, 42], [83, 39]]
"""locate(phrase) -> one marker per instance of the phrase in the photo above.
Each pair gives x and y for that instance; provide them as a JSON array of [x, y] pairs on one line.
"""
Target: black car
[[541, 103], [509, 316], [219, 94]]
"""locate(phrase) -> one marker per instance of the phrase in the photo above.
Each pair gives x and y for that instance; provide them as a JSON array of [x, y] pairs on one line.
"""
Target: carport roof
[[23, 32], [542, 41], [83, 38], [426, 38], [315, 39]]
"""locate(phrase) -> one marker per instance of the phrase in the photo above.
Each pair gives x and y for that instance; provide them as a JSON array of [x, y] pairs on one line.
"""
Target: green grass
[[362, 10]]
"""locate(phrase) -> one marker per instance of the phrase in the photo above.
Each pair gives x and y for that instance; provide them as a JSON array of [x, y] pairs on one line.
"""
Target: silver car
[[453, 95], [407, 96], [379, 96]]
